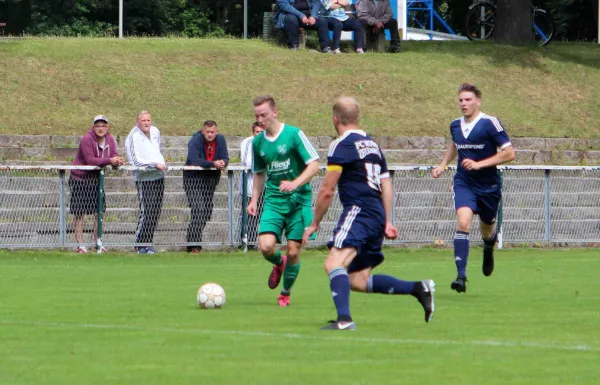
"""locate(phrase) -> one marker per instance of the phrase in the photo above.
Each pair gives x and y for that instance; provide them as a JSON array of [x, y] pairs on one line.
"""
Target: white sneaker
[[81, 250], [360, 50], [337, 51]]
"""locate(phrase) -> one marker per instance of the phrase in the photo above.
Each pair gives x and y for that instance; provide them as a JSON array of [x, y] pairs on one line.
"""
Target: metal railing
[[39, 207]]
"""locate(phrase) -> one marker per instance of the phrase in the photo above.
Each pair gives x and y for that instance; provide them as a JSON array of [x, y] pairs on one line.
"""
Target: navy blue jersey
[[478, 140], [363, 167]]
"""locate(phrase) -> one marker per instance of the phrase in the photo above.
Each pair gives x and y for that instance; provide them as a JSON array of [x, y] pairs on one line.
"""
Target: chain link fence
[[67, 206]]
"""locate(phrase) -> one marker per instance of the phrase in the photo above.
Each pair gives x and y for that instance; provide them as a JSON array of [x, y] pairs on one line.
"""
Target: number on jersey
[[373, 176]]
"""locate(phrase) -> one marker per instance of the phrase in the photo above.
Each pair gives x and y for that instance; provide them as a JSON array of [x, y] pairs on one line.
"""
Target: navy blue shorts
[[362, 231], [483, 203]]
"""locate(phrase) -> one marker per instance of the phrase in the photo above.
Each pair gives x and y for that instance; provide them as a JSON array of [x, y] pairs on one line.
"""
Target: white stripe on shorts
[[343, 233]]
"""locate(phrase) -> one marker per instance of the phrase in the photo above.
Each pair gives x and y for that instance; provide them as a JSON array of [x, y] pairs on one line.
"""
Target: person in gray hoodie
[[97, 148]]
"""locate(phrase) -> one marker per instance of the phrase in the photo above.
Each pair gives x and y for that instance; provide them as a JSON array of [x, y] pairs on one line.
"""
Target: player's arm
[[387, 195], [305, 176], [326, 194], [502, 141], [449, 156], [257, 188]]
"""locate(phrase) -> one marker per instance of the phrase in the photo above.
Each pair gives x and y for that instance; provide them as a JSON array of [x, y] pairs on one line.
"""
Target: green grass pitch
[[120, 318]]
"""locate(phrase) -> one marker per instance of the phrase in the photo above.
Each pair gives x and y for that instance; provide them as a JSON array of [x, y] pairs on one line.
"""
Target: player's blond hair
[[262, 99], [468, 87], [142, 112], [347, 110]]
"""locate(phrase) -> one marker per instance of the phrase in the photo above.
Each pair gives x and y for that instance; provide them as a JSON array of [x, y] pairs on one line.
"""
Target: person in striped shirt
[[481, 144]]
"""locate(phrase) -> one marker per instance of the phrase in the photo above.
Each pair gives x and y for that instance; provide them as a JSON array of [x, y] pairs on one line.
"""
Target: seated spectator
[[290, 15], [376, 16], [207, 148], [338, 21], [97, 148]]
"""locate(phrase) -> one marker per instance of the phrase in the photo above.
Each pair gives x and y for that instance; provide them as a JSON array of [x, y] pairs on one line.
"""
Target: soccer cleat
[[283, 300], [146, 250], [81, 250], [339, 325], [488, 260], [424, 294], [460, 284], [102, 249], [276, 273]]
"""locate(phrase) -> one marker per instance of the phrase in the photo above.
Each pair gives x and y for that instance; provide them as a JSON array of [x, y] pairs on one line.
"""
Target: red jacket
[[90, 153]]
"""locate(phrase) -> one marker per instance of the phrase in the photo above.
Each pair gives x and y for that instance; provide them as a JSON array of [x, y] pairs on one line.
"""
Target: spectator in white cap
[[97, 148], [143, 150]]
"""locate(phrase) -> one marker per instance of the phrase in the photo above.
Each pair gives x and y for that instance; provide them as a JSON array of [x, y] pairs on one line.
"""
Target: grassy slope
[[55, 86], [125, 319]]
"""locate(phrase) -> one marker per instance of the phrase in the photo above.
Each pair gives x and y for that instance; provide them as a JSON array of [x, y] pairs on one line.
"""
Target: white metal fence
[[39, 205]]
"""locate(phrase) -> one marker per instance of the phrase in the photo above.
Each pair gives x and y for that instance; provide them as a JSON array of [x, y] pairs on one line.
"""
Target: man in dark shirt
[[207, 149], [290, 15]]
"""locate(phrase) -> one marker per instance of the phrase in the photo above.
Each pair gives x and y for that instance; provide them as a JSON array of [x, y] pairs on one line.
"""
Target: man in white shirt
[[246, 156], [143, 150]]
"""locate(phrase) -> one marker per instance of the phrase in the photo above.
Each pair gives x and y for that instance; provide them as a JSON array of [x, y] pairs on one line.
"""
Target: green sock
[[275, 258], [289, 277]]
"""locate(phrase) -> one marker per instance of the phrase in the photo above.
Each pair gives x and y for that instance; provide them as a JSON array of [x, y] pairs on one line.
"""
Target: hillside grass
[[56, 85]]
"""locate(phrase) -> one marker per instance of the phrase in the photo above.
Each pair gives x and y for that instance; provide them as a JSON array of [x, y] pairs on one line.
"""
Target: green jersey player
[[284, 157]]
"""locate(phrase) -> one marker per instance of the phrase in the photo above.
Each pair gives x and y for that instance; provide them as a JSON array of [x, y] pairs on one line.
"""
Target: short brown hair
[[468, 87], [209, 123], [264, 99], [347, 110]]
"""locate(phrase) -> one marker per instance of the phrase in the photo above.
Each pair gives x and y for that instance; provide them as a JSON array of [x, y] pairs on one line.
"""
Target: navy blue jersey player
[[481, 144], [357, 166]]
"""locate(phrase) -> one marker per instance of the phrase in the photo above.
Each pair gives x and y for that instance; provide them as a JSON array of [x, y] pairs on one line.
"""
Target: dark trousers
[[292, 30], [391, 25], [150, 195], [200, 189], [338, 26]]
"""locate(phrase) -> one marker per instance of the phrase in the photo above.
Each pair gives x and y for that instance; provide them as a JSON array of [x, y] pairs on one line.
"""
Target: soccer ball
[[211, 296]]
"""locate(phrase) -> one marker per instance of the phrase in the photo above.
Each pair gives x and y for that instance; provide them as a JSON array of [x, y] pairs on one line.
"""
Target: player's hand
[[161, 166], [379, 25], [312, 21], [390, 231], [287, 186], [305, 20], [252, 207], [436, 172], [310, 230], [471, 165]]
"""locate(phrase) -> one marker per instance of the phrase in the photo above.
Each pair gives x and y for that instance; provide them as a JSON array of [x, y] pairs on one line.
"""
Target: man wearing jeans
[[338, 21], [290, 15], [143, 150], [377, 16]]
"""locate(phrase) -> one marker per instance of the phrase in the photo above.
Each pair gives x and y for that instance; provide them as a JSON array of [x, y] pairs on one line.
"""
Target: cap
[[99, 118]]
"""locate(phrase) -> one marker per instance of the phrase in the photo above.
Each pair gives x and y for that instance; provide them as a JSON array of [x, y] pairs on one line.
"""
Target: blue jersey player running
[[357, 166], [476, 138]]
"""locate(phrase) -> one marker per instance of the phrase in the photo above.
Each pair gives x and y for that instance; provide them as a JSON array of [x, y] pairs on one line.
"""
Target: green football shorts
[[289, 216]]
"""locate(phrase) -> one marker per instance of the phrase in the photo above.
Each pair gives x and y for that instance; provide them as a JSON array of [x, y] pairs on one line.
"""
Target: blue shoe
[[151, 250]]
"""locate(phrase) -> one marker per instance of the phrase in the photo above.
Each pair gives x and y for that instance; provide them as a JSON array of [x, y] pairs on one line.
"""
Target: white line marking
[[533, 345]]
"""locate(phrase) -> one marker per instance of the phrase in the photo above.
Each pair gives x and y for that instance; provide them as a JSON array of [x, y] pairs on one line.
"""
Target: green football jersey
[[284, 158]]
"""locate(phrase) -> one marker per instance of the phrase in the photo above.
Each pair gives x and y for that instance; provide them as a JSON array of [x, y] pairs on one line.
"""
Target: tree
[[513, 22]]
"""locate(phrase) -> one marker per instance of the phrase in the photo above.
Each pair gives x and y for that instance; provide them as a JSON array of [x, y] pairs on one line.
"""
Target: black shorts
[[84, 196]]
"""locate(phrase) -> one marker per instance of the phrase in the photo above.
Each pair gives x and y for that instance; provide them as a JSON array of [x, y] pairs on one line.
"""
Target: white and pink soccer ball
[[211, 296]]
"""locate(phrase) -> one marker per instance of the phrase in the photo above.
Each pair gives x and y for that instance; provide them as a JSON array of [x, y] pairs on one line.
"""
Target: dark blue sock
[[461, 252], [385, 284], [492, 240], [340, 291]]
